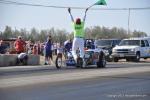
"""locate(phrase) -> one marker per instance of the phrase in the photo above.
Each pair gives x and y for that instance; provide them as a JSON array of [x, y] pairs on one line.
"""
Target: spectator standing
[[35, 50], [55, 48], [68, 45], [39, 47], [48, 51], [20, 45], [28, 47], [3, 48], [60, 51], [42, 49]]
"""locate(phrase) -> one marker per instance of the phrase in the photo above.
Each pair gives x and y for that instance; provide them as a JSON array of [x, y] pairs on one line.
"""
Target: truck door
[[143, 49], [147, 47]]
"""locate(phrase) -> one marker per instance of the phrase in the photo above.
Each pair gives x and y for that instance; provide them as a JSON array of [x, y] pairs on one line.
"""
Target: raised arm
[[85, 15], [69, 10]]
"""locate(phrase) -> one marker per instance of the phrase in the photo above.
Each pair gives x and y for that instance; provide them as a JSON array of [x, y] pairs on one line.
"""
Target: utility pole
[[129, 21]]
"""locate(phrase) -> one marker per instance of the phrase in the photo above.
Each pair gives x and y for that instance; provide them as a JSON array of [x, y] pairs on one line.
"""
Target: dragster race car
[[91, 57]]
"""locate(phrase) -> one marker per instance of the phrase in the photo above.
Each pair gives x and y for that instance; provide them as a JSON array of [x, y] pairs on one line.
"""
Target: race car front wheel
[[58, 62]]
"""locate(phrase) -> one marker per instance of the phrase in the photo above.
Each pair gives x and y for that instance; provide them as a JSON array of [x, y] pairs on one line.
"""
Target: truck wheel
[[102, 61], [137, 57], [116, 59], [109, 59]]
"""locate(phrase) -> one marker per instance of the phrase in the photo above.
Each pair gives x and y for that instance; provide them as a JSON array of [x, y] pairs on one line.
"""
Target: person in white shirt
[[60, 51]]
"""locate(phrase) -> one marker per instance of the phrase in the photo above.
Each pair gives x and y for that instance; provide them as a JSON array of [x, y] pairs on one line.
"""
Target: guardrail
[[10, 60]]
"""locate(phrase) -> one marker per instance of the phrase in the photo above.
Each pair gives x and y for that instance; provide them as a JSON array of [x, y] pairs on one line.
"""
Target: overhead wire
[[50, 6]]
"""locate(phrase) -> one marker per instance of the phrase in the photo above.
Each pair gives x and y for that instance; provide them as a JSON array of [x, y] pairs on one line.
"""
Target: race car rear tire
[[79, 63]]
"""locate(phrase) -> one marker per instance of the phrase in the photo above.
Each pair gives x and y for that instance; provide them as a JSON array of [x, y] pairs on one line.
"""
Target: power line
[[27, 4], [49, 6]]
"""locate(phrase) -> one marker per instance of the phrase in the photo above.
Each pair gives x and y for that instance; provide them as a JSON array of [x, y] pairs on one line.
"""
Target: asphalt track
[[122, 87], [118, 81]]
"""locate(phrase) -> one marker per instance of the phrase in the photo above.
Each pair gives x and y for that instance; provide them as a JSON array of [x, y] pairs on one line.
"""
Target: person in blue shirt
[[48, 51], [67, 47]]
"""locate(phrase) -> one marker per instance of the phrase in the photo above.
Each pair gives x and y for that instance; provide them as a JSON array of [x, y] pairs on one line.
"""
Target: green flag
[[101, 2]]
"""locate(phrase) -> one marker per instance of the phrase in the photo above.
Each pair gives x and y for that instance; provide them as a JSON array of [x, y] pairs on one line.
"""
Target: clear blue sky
[[44, 18]]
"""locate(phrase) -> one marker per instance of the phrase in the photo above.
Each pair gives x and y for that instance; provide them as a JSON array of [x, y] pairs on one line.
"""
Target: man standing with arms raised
[[79, 35]]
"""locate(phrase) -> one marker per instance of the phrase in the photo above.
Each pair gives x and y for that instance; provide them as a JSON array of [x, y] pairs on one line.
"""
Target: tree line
[[60, 35]]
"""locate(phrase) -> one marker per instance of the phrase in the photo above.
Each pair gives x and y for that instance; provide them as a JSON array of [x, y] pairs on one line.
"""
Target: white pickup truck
[[132, 49]]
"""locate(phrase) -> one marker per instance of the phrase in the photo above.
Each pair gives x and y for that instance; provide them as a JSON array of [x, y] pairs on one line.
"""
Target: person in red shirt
[[20, 45]]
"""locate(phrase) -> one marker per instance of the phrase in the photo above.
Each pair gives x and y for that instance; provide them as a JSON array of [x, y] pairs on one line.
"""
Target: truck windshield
[[104, 43], [130, 42]]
